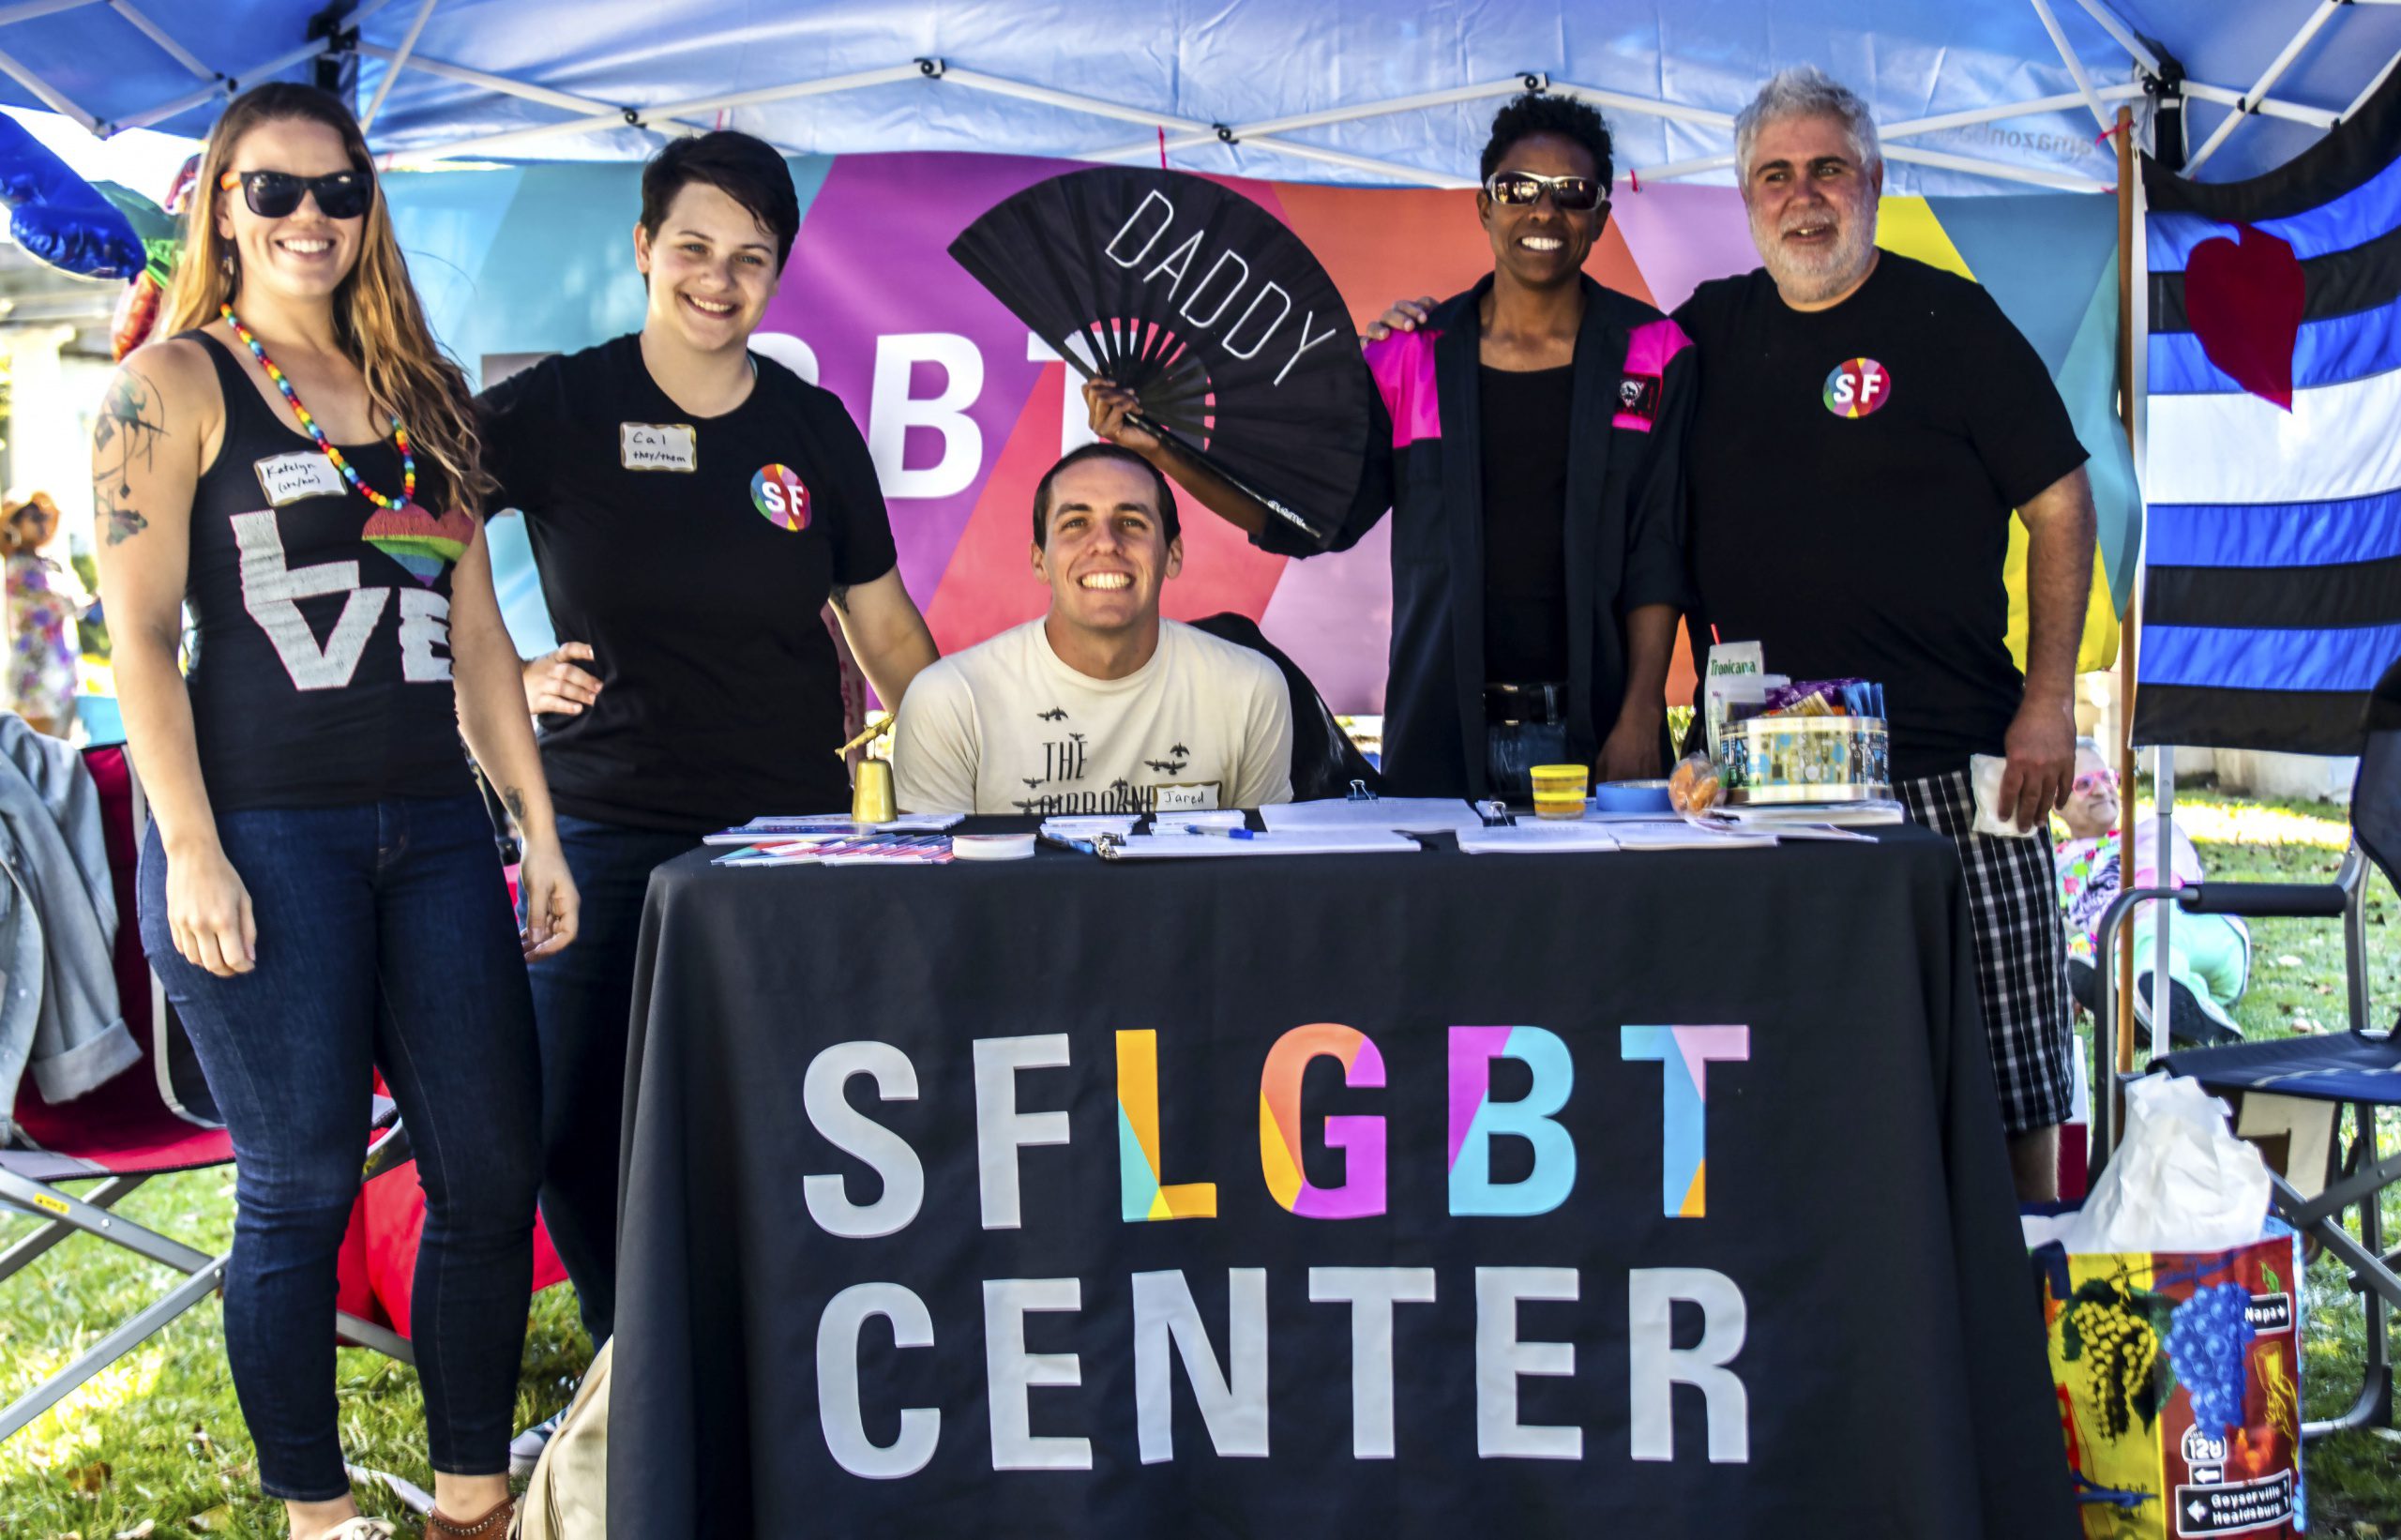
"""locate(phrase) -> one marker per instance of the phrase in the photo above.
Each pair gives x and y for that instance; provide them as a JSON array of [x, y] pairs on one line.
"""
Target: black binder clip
[[1494, 812], [1359, 792]]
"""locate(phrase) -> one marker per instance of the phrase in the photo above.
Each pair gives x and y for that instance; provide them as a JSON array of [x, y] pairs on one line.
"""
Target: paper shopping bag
[[2178, 1378]]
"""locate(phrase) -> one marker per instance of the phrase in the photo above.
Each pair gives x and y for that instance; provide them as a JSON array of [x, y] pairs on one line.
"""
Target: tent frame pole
[[1911, 127], [399, 61], [639, 117], [221, 87], [2316, 117], [2123, 35], [25, 10], [2075, 66], [2277, 67], [1236, 132], [2128, 627], [52, 97], [2373, 86], [497, 84], [157, 34]]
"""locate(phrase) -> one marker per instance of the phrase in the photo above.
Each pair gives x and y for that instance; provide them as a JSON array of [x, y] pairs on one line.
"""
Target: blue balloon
[[58, 217]]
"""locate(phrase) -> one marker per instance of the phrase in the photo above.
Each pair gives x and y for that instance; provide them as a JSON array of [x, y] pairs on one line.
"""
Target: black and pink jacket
[[1634, 387]]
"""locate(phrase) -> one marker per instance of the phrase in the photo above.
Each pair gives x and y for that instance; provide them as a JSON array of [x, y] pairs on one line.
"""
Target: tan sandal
[[492, 1526]]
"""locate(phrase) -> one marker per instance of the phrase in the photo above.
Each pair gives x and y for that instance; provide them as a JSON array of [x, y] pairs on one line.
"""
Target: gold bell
[[871, 792]]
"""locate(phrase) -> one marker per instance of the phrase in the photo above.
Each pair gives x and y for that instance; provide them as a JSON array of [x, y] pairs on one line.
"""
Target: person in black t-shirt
[[1866, 424], [691, 507], [1527, 438]]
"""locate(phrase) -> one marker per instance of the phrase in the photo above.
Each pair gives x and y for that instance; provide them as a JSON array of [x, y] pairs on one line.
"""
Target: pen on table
[[1220, 834]]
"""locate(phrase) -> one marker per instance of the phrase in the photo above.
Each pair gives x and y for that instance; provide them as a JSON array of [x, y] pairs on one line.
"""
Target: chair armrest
[[2266, 900]]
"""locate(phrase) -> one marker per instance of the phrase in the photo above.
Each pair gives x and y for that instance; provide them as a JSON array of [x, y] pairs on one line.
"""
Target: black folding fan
[[1208, 308]]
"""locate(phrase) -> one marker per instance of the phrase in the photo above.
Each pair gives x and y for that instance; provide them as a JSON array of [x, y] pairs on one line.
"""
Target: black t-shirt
[[1524, 418], [1852, 474], [694, 555], [320, 653]]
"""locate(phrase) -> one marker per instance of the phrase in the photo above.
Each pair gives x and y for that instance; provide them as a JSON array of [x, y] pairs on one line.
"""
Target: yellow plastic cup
[[1558, 789]]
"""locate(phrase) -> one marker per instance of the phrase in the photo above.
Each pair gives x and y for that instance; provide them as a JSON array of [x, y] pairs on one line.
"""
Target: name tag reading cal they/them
[[303, 472], [657, 447]]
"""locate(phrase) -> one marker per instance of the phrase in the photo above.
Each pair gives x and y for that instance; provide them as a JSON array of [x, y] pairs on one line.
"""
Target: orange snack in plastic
[[1693, 787]]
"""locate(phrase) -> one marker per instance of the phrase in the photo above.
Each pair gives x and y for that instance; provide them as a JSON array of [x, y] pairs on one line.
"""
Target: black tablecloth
[[1854, 1226]]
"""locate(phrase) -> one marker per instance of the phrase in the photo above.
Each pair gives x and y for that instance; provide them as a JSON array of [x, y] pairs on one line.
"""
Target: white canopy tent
[[1978, 96]]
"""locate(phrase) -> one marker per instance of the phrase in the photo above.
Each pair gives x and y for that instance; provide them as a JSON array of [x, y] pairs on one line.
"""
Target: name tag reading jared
[[657, 447], [1199, 798], [303, 472]]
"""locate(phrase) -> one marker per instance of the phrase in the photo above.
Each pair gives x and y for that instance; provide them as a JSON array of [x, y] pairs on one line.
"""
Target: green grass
[[158, 1437]]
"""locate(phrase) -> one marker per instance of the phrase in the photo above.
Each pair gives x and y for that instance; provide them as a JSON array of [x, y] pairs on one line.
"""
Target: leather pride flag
[[2272, 595]]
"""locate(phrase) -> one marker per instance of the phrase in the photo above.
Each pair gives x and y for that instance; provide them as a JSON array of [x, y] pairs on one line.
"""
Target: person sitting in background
[[1101, 706], [2208, 959], [45, 599]]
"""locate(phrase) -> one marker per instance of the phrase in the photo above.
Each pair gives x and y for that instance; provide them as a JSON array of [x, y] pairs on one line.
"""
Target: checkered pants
[[2021, 952]]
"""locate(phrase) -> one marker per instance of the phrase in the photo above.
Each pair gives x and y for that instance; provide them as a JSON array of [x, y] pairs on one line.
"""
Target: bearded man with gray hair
[[1865, 428]]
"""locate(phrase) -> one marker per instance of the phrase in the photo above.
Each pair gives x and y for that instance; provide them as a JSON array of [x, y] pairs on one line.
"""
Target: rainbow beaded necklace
[[349, 473]]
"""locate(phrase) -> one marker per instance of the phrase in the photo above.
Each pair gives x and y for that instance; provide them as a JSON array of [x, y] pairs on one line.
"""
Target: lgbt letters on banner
[[963, 409]]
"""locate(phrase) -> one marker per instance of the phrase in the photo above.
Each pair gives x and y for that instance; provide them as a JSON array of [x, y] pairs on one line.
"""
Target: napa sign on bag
[[2172, 1306]]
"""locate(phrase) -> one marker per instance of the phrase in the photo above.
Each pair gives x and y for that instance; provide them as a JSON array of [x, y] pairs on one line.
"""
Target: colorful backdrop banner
[[964, 409]]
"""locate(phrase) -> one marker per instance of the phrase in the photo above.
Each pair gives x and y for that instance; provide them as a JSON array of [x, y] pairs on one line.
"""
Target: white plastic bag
[[2180, 1182], [1984, 772]]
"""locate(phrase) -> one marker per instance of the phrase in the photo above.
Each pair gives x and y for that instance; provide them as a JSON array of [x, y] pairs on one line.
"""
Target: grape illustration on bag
[[2176, 1374]]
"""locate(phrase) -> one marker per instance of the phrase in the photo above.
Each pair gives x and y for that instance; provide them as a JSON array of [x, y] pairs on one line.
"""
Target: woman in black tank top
[[319, 891]]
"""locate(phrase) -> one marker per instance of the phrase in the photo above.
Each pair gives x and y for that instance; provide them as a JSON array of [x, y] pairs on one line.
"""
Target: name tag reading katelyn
[[303, 472], [657, 447]]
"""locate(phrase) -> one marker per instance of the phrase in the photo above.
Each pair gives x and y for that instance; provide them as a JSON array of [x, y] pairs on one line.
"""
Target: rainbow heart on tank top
[[419, 540]]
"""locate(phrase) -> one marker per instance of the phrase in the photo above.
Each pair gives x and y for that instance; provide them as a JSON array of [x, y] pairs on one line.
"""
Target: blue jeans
[[1513, 749], [583, 1008], [384, 941]]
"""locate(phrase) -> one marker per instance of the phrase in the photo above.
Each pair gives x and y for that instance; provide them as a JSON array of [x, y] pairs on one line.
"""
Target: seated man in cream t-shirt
[[1101, 706]]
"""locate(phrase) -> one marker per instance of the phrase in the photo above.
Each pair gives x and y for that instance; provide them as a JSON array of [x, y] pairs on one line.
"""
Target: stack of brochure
[[877, 848], [817, 825]]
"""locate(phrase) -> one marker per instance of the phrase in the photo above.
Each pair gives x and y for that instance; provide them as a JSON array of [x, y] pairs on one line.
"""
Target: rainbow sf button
[[1857, 388], [778, 495]]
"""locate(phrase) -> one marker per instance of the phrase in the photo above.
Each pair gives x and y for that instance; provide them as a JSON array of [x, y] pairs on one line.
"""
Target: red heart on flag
[[2244, 302]]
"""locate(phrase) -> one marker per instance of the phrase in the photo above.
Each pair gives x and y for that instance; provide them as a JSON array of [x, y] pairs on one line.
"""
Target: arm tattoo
[[132, 421], [515, 800], [841, 595]]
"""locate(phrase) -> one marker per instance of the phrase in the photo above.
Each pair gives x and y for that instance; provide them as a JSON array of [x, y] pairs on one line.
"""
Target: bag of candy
[[1693, 786]]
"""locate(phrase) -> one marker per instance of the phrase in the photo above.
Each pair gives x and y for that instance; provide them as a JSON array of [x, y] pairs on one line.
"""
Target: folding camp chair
[[153, 1119], [2358, 1069]]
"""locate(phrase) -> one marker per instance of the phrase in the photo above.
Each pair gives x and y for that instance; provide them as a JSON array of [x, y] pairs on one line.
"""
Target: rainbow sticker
[[420, 541], [778, 492], [1857, 388]]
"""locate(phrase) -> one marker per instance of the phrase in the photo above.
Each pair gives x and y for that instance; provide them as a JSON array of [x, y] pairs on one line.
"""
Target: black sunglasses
[[273, 194], [1524, 188]]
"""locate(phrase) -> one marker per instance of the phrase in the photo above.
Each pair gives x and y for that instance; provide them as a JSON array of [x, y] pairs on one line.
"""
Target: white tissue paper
[[1985, 771], [2180, 1182]]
